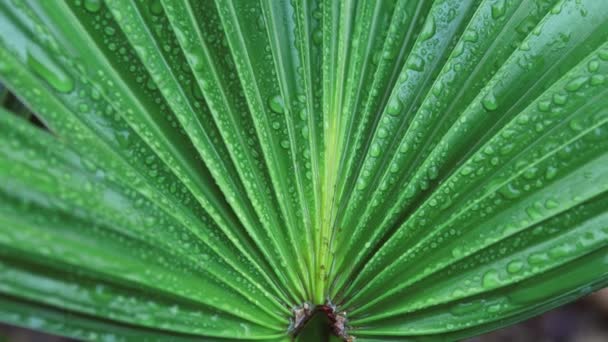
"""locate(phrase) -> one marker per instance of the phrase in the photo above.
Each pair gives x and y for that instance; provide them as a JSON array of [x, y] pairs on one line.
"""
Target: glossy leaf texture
[[191, 170]]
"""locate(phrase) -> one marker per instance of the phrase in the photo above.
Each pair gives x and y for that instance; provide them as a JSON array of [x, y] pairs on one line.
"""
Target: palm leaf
[[227, 169]]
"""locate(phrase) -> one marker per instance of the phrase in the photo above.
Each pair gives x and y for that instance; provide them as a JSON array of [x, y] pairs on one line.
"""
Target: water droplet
[[457, 252], [559, 251], [459, 49], [489, 102], [498, 9], [46, 68], [515, 266], [83, 107], [317, 37], [509, 191], [429, 28], [470, 36], [467, 170], [576, 83], [544, 106], [415, 62], [375, 150], [92, 5], [551, 204], [109, 30], [533, 212], [537, 258], [597, 80], [382, 133], [490, 279], [156, 8], [276, 104], [465, 308], [593, 66], [560, 99], [576, 125], [395, 107]]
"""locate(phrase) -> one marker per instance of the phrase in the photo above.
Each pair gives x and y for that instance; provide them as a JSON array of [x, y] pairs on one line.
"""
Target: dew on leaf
[[92, 5], [489, 102], [498, 9], [429, 28], [415, 62], [50, 71], [515, 266], [490, 279], [276, 104]]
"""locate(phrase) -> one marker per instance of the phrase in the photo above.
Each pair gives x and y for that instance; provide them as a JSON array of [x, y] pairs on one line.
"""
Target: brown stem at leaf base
[[337, 320]]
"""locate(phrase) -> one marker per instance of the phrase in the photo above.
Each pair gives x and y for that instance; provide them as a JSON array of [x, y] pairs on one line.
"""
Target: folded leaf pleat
[[218, 170]]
